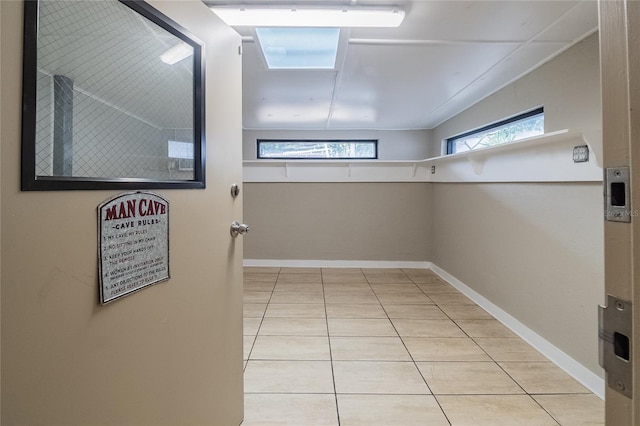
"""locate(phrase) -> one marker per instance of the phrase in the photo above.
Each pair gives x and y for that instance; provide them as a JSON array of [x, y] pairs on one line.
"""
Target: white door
[[168, 354], [620, 65]]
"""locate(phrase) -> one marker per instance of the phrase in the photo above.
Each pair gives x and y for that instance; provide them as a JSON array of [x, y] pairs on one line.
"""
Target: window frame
[[316, 141], [31, 181], [518, 117]]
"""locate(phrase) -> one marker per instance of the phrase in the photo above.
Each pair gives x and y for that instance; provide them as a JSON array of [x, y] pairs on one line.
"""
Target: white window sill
[[545, 158]]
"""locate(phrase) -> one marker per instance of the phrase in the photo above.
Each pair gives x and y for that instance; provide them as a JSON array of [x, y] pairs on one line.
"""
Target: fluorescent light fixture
[[176, 54], [309, 17], [299, 48]]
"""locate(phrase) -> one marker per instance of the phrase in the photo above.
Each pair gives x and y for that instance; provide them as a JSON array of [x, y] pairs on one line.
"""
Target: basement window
[[521, 126], [318, 149]]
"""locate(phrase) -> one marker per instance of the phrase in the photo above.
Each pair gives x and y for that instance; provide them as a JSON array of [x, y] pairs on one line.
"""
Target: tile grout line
[[481, 348], [435, 397], [529, 394], [333, 376], [492, 359], [415, 365], [261, 319], [544, 409]]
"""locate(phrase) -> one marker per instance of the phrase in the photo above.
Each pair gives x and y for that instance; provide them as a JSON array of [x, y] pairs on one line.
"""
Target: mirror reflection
[[114, 97]]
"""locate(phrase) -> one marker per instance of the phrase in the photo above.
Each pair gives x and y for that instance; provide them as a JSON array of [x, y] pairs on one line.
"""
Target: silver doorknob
[[238, 228]]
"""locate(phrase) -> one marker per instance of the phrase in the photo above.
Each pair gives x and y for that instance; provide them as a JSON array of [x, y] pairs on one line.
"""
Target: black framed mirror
[[113, 98]]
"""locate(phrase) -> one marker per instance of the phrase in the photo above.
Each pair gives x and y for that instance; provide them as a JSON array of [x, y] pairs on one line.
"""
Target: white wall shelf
[[545, 158]]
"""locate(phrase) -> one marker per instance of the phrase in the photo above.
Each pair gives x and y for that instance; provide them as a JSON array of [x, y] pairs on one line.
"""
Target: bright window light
[[318, 149], [306, 17], [521, 126], [180, 149], [299, 48]]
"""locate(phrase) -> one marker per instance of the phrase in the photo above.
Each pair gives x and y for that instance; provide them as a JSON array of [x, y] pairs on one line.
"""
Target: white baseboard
[[336, 263], [576, 370]]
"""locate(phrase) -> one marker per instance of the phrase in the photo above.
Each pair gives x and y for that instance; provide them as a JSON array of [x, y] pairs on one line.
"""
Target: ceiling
[[112, 54], [445, 57]]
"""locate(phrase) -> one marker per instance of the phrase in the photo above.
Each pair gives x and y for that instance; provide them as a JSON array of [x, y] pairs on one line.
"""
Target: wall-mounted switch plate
[[581, 154]]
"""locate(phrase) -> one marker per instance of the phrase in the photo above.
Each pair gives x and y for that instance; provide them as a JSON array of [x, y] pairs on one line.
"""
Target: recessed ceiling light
[[309, 17], [299, 48]]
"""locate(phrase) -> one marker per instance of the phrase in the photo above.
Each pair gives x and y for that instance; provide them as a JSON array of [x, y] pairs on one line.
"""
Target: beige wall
[[540, 255], [338, 221], [568, 87], [535, 250], [169, 354], [392, 144]]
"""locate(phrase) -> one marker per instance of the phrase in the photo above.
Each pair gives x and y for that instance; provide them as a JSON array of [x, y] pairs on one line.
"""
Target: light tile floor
[[392, 347]]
